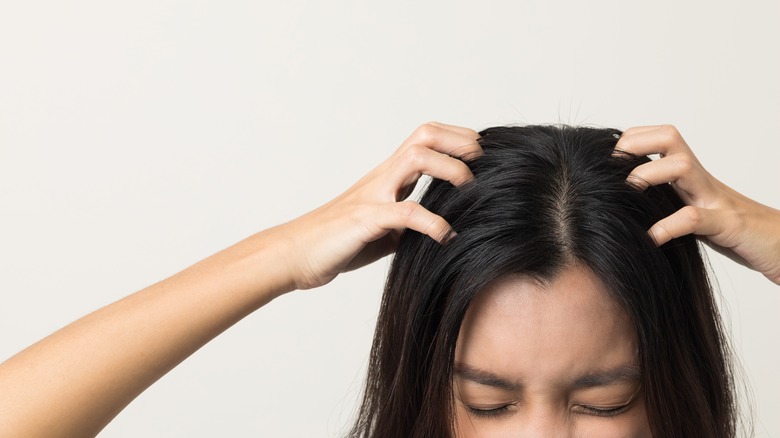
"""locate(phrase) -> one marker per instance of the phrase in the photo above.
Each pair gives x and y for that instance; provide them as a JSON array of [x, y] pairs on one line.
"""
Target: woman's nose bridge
[[542, 421]]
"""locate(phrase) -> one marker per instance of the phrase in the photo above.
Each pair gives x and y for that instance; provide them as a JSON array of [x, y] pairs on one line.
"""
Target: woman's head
[[552, 301], [551, 358]]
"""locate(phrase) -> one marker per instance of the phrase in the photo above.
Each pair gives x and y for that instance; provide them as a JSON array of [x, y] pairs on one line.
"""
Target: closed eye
[[601, 412], [492, 412]]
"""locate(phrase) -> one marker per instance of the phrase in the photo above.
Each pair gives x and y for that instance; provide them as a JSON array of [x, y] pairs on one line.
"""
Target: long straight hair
[[544, 197]]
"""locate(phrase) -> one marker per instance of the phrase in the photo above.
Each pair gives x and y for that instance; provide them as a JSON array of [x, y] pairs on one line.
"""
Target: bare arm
[[75, 381]]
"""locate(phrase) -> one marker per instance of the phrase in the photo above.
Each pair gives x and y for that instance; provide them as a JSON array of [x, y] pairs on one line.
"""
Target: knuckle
[[693, 215], [473, 152], [663, 228], [426, 131], [637, 179], [442, 225], [437, 227], [684, 163], [414, 155], [407, 208], [670, 132], [464, 174]]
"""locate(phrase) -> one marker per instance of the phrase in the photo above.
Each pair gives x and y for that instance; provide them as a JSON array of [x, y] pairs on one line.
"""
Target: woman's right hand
[[364, 223]]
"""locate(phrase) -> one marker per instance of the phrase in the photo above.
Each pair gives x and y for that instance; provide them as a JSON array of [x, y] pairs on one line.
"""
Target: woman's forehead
[[547, 331]]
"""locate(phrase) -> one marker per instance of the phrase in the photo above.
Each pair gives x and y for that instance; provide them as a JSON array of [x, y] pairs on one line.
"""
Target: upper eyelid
[[604, 412], [490, 407], [617, 409], [600, 408], [497, 411]]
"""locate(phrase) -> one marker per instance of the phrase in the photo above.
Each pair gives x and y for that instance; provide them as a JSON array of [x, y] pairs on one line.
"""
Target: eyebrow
[[619, 374], [482, 377]]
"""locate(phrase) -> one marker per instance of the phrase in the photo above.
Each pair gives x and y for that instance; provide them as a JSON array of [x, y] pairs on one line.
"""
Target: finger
[[638, 129], [664, 140], [445, 141], [468, 132], [687, 220], [417, 160], [409, 214], [679, 168], [466, 152]]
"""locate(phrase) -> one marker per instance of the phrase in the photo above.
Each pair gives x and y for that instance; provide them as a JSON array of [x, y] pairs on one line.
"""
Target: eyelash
[[588, 410], [489, 412]]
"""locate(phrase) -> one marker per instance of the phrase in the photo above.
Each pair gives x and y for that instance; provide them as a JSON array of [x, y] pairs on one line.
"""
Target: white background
[[139, 137]]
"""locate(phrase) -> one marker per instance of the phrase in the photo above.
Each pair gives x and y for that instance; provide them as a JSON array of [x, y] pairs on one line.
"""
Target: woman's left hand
[[739, 227]]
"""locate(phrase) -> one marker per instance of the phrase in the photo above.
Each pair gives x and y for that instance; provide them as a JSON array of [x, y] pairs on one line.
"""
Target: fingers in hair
[[418, 160], [468, 132], [687, 220], [445, 141], [409, 214], [681, 169], [664, 140]]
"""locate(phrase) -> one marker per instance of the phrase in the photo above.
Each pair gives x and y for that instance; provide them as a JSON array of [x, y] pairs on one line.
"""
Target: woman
[[126, 346]]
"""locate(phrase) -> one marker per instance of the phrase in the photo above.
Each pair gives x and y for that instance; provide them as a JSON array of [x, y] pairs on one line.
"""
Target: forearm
[[75, 381]]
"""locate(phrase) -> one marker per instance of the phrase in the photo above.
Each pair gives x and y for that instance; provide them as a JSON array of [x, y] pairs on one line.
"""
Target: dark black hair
[[545, 197]]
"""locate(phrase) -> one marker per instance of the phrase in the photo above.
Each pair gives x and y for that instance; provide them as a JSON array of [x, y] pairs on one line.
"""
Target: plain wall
[[137, 138]]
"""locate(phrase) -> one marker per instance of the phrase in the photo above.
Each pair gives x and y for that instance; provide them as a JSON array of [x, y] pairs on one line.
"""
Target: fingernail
[[450, 236], [652, 236], [637, 182]]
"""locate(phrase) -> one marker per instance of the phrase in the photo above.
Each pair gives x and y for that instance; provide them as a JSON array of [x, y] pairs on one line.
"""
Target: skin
[[731, 223], [73, 382], [537, 359]]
